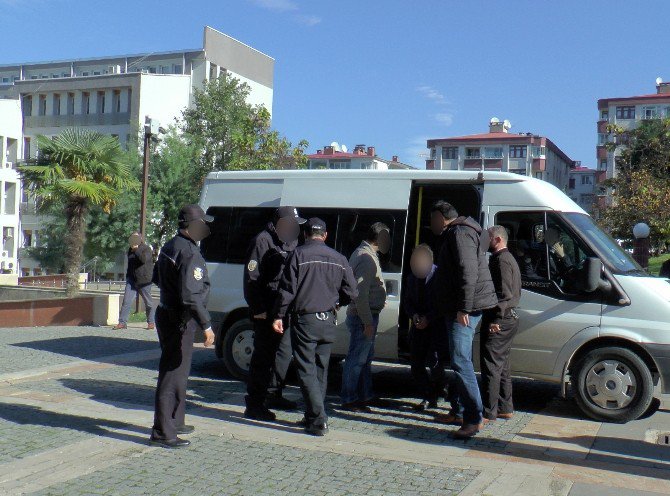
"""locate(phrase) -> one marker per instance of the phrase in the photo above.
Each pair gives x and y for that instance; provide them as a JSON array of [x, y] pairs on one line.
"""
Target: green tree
[[77, 169], [641, 188], [234, 135]]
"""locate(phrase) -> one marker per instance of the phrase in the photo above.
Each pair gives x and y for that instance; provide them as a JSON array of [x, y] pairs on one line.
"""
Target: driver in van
[[272, 353]]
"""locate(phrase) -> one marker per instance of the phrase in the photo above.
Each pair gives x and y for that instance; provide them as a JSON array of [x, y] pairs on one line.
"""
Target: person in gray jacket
[[363, 318]]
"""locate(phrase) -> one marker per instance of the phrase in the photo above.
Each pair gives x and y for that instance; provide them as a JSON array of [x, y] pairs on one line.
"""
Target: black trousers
[[312, 342], [429, 350], [495, 366], [176, 341], [269, 364]]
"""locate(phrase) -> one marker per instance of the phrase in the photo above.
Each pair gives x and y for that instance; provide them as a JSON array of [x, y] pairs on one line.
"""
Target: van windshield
[[615, 257]]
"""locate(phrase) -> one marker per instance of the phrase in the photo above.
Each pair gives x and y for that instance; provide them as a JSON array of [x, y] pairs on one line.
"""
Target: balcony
[[76, 120]]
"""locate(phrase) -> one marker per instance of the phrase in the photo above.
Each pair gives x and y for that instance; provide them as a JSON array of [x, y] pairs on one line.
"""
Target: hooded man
[[138, 280]]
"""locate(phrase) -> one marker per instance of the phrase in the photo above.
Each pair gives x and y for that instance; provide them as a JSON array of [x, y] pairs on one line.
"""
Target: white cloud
[[432, 94], [308, 19], [276, 5], [446, 118]]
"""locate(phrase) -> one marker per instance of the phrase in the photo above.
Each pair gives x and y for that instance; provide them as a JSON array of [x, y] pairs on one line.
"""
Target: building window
[[433, 152], [518, 151], [339, 164], [85, 73], [5, 80], [178, 69], [521, 172], [650, 113], [26, 148], [85, 103], [538, 175], [42, 109], [27, 238], [625, 112], [604, 115], [318, 165], [539, 151], [587, 180], [96, 73], [116, 101], [603, 138], [571, 183], [27, 106], [70, 104], [101, 102], [367, 165], [493, 152], [603, 164], [472, 153], [449, 152]]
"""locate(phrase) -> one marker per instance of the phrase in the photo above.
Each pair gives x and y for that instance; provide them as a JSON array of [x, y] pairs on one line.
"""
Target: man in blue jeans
[[363, 318], [138, 281], [465, 289]]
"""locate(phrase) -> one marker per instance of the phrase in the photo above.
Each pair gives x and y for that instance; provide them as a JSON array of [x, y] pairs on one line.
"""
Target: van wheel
[[238, 345], [612, 385]]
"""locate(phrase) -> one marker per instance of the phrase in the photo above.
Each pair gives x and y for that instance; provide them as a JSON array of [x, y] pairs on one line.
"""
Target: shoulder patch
[[198, 273], [252, 265]]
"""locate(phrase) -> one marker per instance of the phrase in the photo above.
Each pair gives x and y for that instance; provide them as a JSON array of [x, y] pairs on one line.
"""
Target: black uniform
[[315, 281], [495, 348], [272, 352], [181, 275]]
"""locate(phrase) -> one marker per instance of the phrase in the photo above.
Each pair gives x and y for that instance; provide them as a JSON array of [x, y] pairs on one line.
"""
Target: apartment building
[[335, 156], [582, 187], [10, 189], [526, 153], [627, 113], [113, 94]]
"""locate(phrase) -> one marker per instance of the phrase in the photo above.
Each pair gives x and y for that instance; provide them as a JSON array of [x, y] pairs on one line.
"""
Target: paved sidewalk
[[76, 407]]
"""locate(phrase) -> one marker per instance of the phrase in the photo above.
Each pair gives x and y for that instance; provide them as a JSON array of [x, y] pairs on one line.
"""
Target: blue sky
[[390, 73]]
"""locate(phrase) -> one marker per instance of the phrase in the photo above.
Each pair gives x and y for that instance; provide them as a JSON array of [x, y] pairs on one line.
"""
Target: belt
[[322, 316]]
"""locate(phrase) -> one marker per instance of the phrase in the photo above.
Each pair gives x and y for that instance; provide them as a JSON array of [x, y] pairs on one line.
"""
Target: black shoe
[[170, 443], [317, 429], [420, 407], [278, 402], [432, 404], [355, 407], [185, 429], [260, 414], [302, 422]]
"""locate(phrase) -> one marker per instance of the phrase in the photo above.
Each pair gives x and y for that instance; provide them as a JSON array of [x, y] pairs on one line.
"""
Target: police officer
[[272, 352], [181, 275], [315, 282]]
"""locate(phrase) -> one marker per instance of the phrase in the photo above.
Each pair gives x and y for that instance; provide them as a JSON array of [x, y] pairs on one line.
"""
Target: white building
[[10, 152], [526, 154], [582, 187], [113, 94], [335, 157]]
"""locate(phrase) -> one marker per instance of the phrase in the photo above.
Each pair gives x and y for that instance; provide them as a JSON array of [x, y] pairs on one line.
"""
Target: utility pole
[[150, 129]]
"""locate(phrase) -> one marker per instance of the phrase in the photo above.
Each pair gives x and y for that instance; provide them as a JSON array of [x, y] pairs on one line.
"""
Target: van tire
[[612, 384], [237, 348]]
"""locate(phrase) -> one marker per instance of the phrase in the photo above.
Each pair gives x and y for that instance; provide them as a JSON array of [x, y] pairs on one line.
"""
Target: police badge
[[198, 273], [251, 266]]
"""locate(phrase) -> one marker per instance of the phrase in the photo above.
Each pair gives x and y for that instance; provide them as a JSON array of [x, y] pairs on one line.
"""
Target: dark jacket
[[464, 280], [181, 275], [140, 266], [316, 279], [507, 282], [264, 264], [419, 296]]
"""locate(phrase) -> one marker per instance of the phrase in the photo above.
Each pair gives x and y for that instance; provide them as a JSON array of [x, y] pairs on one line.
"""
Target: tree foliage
[[641, 188]]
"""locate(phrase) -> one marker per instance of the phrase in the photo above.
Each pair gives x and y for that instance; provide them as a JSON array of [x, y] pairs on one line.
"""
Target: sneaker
[[260, 414], [119, 326]]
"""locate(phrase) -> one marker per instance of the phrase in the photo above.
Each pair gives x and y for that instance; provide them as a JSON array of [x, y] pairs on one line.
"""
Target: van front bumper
[[660, 353]]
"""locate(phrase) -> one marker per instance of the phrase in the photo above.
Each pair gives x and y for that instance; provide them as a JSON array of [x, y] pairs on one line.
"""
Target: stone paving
[[76, 405]]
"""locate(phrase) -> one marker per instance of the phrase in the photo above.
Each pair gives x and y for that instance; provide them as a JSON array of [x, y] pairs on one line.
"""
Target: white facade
[[10, 188], [582, 187], [112, 95], [362, 157]]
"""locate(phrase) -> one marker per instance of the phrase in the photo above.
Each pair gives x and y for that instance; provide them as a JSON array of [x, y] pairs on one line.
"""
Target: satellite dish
[[335, 146], [494, 120], [659, 81], [507, 124], [344, 148]]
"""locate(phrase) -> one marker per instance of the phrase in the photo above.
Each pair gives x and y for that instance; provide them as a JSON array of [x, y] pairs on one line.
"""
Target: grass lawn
[[655, 263], [137, 317]]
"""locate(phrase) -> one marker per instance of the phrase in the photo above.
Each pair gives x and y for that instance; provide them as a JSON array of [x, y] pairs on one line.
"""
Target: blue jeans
[[129, 296], [357, 370], [466, 400]]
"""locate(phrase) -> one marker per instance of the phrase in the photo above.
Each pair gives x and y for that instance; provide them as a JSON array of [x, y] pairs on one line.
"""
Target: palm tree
[[76, 169]]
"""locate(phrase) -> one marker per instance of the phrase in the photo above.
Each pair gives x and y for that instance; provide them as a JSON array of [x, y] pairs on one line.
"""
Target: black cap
[[315, 225], [283, 212], [189, 213]]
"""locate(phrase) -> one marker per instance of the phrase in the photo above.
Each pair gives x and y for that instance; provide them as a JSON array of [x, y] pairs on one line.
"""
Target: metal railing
[[75, 120]]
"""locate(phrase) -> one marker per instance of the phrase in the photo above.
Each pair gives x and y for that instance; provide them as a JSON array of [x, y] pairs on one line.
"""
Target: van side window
[[549, 254], [215, 246], [353, 226], [245, 224]]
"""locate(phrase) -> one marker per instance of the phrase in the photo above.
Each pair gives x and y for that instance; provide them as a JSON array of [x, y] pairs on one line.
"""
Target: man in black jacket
[[138, 280], [499, 325], [271, 357], [465, 290], [315, 281]]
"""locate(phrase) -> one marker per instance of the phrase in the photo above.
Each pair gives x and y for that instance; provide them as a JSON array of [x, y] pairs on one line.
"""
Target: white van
[[600, 322]]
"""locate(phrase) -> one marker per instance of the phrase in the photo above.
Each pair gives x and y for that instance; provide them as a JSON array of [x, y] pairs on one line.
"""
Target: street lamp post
[[150, 129]]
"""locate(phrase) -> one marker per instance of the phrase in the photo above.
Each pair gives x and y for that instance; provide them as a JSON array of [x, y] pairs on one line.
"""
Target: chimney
[[328, 150], [395, 158], [496, 126], [319, 151], [663, 88], [359, 150], [371, 151]]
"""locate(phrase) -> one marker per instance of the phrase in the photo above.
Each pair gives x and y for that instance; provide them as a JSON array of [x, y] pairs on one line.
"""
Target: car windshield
[[615, 257]]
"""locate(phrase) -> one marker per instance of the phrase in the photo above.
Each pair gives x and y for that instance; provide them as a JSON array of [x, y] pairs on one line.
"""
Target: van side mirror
[[591, 275]]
